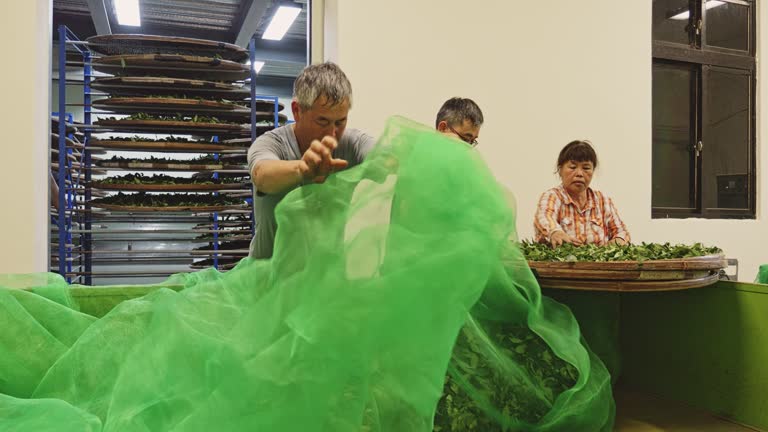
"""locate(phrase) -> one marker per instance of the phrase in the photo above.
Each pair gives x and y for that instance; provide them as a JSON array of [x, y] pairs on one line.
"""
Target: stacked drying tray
[[182, 104]]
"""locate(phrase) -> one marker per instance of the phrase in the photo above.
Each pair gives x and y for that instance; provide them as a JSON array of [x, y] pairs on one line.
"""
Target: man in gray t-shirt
[[309, 150]]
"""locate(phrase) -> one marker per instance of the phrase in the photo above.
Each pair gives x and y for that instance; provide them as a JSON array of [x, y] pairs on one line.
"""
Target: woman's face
[[576, 176]]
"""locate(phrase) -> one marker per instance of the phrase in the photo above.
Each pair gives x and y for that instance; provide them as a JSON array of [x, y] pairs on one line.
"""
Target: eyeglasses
[[472, 142]]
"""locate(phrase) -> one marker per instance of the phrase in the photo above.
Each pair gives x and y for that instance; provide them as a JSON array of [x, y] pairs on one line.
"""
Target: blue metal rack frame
[[68, 199], [254, 97], [71, 254]]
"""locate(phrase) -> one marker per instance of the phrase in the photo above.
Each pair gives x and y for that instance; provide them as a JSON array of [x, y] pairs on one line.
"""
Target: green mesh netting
[[762, 274], [394, 302]]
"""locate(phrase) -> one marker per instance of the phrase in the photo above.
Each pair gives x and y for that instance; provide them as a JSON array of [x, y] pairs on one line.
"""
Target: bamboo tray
[[225, 266], [175, 65], [144, 86], [115, 207], [149, 105], [154, 44], [69, 143], [168, 166], [245, 142], [165, 126], [163, 146], [69, 127], [655, 275], [710, 262], [166, 104], [224, 238], [628, 286], [137, 187]]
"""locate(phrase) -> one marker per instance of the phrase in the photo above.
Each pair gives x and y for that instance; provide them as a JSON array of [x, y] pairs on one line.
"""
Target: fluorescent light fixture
[[707, 6], [281, 22], [127, 12], [257, 65]]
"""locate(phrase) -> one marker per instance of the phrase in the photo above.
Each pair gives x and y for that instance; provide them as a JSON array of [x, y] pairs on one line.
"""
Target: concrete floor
[[641, 413]]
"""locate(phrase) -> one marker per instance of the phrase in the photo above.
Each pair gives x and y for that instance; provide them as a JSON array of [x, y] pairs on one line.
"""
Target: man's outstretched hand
[[318, 162]]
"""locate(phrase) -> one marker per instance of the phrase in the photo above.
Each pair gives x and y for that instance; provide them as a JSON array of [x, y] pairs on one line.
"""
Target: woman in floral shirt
[[574, 212]]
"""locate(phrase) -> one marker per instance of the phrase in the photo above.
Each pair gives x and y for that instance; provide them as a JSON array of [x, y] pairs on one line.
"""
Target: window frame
[[701, 57]]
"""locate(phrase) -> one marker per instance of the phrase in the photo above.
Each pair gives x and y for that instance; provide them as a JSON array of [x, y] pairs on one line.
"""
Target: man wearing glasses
[[460, 118]]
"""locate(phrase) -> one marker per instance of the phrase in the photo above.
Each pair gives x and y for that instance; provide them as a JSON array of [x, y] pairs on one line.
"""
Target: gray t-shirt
[[281, 144]]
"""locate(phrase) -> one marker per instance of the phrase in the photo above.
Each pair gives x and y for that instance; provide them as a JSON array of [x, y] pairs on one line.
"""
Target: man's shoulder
[[279, 135]]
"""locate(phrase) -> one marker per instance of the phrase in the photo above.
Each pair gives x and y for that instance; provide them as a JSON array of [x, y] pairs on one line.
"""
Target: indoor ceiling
[[232, 21]]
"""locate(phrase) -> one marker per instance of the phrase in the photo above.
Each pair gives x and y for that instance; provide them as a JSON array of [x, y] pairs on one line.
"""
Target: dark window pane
[[726, 157], [727, 25], [670, 19], [673, 168]]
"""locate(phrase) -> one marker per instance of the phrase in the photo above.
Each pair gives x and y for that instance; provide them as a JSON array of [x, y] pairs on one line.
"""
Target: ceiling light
[[257, 65], [281, 22], [127, 12], [686, 14]]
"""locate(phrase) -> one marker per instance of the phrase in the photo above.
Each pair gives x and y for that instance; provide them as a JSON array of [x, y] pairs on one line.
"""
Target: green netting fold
[[394, 302], [762, 274]]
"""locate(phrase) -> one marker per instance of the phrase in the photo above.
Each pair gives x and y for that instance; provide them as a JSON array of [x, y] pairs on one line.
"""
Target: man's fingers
[[320, 149], [338, 164], [312, 159], [330, 143], [320, 161], [304, 168]]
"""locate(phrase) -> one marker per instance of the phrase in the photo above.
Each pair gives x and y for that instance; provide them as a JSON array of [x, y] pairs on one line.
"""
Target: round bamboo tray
[[709, 262], [147, 86], [162, 146], [69, 142], [245, 142], [171, 126], [225, 238], [225, 266], [628, 286], [165, 104], [69, 127], [165, 166], [153, 105], [174, 65], [151, 44], [652, 275], [115, 207], [137, 187]]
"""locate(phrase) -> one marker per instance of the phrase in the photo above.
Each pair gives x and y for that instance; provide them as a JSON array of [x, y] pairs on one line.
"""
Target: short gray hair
[[455, 110], [324, 79]]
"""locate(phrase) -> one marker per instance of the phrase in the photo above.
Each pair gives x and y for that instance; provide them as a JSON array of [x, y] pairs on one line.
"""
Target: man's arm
[[271, 175], [276, 176]]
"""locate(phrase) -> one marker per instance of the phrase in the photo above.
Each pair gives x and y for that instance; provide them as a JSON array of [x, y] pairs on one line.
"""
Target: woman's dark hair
[[577, 151]]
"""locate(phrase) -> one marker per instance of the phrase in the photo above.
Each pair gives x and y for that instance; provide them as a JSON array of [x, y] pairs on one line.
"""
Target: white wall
[[24, 116], [544, 73]]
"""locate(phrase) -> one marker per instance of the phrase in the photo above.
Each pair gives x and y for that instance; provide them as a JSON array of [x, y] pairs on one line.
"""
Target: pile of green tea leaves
[[162, 179], [142, 199], [178, 117], [204, 159], [225, 263], [227, 245], [169, 138], [226, 177], [631, 252], [228, 234], [458, 412], [186, 97]]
